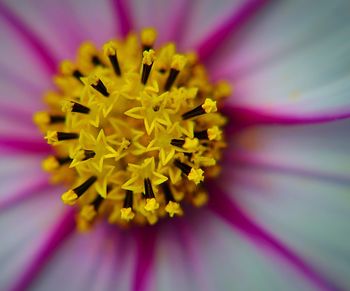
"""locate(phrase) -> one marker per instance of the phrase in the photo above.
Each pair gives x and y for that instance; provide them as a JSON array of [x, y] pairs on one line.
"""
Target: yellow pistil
[[173, 208], [135, 131], [69, 197], [127, 214]]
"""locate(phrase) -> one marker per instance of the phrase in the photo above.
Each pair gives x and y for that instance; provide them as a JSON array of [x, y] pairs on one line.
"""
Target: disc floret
[[135, 131]]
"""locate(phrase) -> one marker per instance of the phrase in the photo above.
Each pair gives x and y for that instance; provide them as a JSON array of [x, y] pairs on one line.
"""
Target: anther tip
[[151, 204], [196, 175], [173, 208], [41, 118], [69, 197], [127, 214], [209, 105], [51, 137], [50, 164], [148, 36]]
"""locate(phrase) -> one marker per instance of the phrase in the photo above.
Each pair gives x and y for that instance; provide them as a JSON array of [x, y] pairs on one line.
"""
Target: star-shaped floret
[[152, 110], [100, 148], [139, 173]]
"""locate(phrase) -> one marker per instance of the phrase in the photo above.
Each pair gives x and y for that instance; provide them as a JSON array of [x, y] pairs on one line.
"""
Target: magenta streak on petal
[[259, 164], [238, 17], [146, 240], [29, 36], [60, 232], [247, 117], [19, 114], [36, 188], [181, 16], [187, 240], [23, 145], [123, 16], [228, 210]]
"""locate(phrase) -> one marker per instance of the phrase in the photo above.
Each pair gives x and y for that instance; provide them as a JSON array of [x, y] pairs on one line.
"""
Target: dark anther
[[194, 112], [146, 70], [66, 136], [177, 142], [148, 188], [201, 134], [162, 71], [100, 87], [97, 202], [57, 119], [79, 108], [171, 79], [88, 154], [186, 169], [128, 201], [80, 190], [146, 47], [115, 64], [63, 160], [96, 61], [167, 192], [77, 74]]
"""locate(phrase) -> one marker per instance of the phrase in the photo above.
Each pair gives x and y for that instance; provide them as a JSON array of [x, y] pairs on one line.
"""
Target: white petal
[[23, 168], [318, 150], [309, 216], [292, 59], [212, 256], [91, 261], [23, 228]]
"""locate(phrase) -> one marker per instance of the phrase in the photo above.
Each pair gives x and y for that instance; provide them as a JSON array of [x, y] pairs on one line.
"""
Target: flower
[[277, 217]]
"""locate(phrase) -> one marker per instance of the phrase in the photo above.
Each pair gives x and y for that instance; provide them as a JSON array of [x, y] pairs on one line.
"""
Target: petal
[[85, 258], [202, 253], [315, 150], [23, 168], [292, 59], [64, 25], [24, 227], [307, 216]]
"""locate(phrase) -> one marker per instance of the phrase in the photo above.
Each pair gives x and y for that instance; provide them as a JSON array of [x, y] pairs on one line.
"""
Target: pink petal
[[123, 17], [320, 149], [282, 67], [77, 263], [146, 244], [25, 226], [234, 216], [226, 29]]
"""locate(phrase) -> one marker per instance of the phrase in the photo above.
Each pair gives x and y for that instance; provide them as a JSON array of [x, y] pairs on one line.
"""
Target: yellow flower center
[[135, 131]]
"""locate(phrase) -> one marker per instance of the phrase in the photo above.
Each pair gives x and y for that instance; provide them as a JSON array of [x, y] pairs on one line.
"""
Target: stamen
[[54, 136], [207, 107], [79, 108], [52, 163], [43, 119], [172, 206], [147, 61], [96, 61], [98, 85], [78, 75], [177, 142], [110, 51], [148, 37], [71, 196], [177, 65], [151, 202], [201, 134], [126, 212], [88, 154], [186, 169]]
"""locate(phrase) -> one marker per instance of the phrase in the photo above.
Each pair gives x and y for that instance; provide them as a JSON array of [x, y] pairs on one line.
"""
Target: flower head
[[253, 188]]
